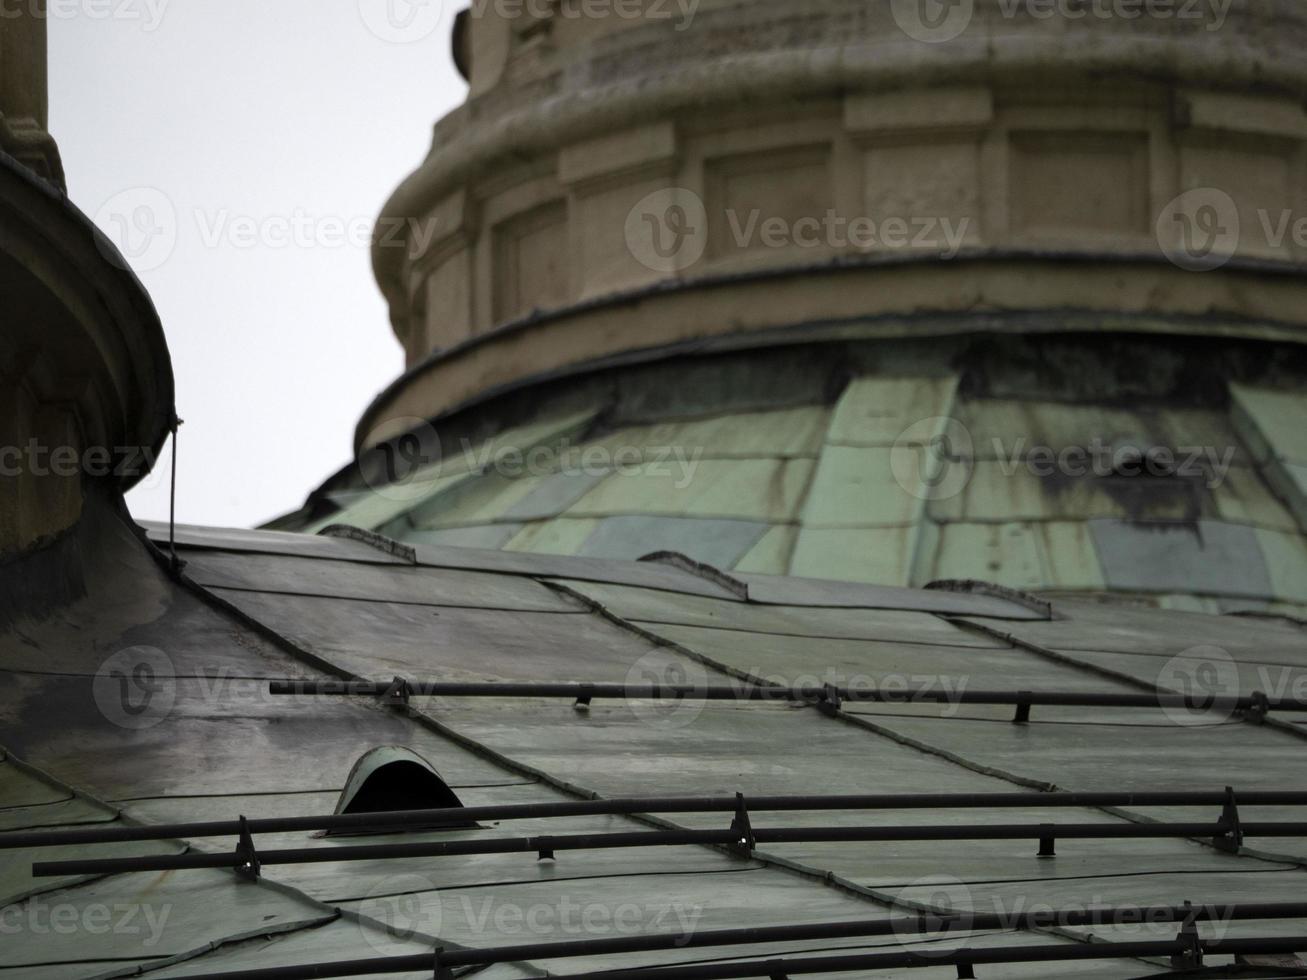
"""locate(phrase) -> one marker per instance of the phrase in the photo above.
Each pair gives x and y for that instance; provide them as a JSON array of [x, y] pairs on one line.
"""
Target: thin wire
[[172, 499]]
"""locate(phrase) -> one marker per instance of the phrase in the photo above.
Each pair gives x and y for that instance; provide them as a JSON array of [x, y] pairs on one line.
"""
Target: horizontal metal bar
[[751, 692], [401, 819], [904, 926], [664, 838], [850, 962]]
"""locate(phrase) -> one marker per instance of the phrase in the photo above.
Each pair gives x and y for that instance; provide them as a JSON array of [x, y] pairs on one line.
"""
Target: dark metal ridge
[[977, 587], [962, 959], [906, 927], [547, 845], [399, 820], [389, 546], [684, 563], [1263, 614]]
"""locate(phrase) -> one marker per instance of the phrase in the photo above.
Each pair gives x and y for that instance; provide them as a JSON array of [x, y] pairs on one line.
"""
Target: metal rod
[[662, 838], [847, 963], [175, 563], [761, 692], [904, 927], [402, 819]]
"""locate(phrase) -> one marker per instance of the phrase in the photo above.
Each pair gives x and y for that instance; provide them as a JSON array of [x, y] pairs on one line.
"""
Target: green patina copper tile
[[879, 411], [761, 490]]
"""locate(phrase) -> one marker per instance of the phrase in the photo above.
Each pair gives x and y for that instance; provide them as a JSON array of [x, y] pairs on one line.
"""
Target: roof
[[211, 743], [892, 477]]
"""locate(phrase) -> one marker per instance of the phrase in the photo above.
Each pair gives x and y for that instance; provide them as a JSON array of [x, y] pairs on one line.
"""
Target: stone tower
[[890, 292], [85, 378], [24, 100]]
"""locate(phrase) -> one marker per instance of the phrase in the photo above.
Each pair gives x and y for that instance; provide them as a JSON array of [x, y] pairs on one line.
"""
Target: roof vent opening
[[1157, 487], [392, 778]]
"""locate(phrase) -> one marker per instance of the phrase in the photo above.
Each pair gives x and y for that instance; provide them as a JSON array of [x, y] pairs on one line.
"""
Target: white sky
[[264, 135]]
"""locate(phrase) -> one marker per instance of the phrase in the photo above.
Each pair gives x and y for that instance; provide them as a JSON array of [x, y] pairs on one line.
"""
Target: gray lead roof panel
[[781, 591], [904, 626], [1122, 628], [340, 939], [420, 585], [169, 915], [222, 746], [21, 788], [268, 543], [206, 735], [379, 640]]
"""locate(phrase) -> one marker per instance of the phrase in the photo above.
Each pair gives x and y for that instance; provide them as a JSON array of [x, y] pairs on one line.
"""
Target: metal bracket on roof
[[399, 692], [698, 569], [1047, 841], [829, 701], [1255, 713], [439, 970], [1230, 839], [247, 858], [975, 587], [966, 971], [1190, 954], [546, 851], [1023, 709], [584, 698], [928, 921], [743, 842], [776, 970], [372, 539]]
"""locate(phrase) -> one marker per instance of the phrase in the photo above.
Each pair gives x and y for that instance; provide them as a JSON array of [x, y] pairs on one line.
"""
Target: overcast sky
[[239, 150]]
